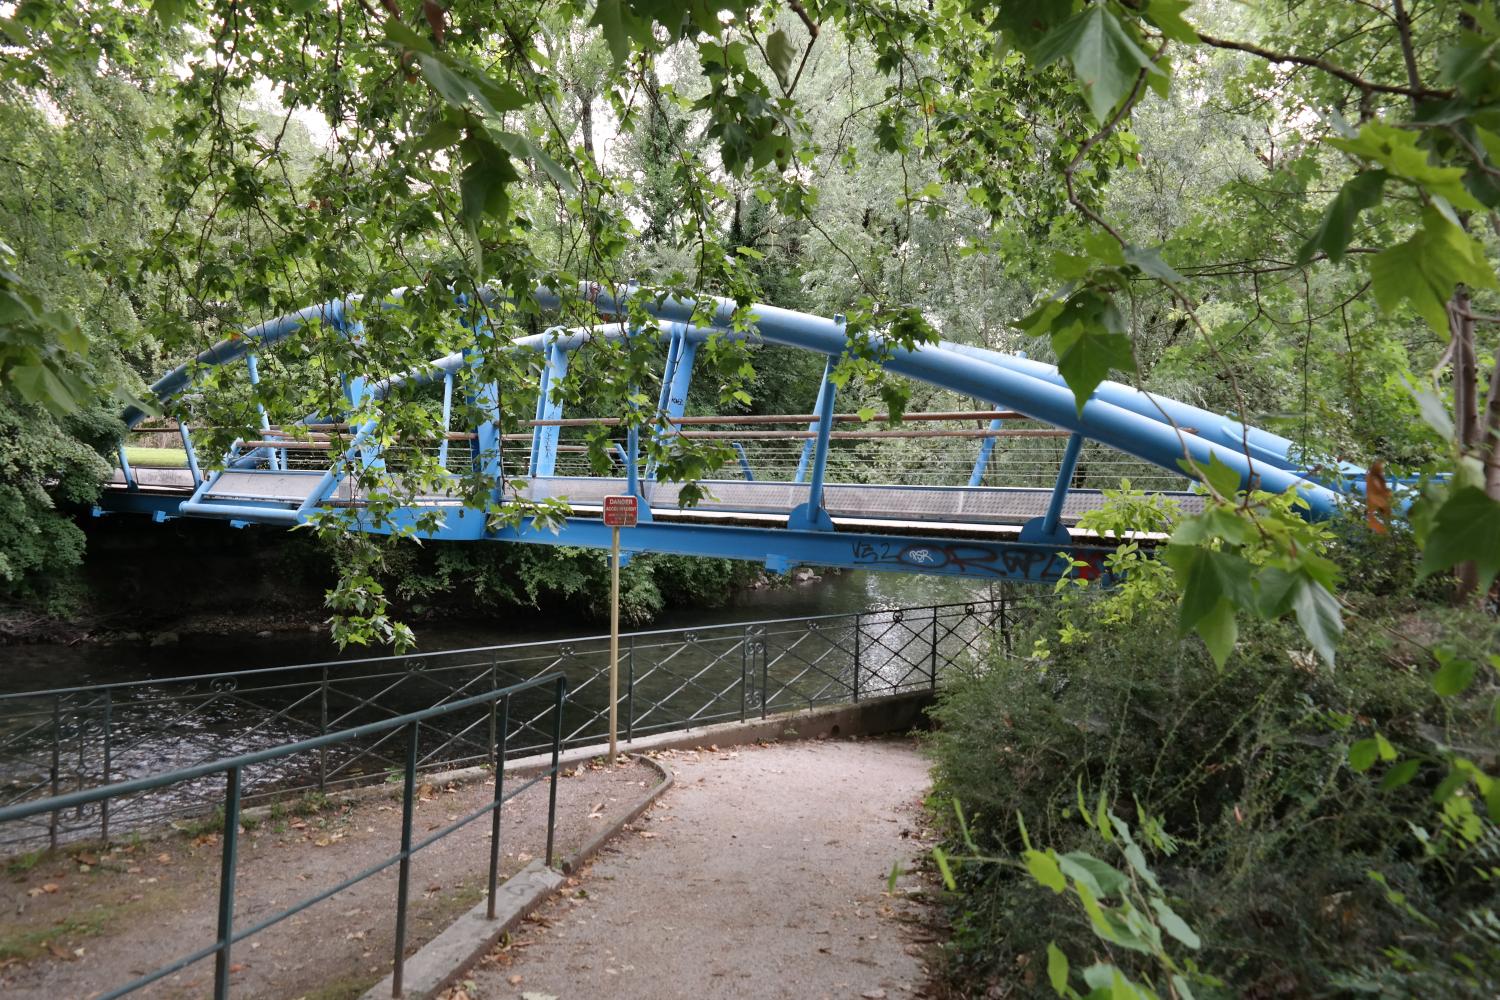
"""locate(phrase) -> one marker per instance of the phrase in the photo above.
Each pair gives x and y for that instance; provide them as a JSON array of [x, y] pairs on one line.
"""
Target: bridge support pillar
[[986, 449], [811, 516], [1049, 528]]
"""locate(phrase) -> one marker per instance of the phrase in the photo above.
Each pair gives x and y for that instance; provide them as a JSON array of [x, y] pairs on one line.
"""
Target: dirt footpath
[[761, 874], [80, 922]]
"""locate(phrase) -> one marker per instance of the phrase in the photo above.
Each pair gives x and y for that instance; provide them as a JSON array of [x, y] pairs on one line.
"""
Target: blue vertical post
[[682, 379], [192, 453], [357, 392], [632, 460], [808, 445], [486, 399], [252, 365], [811, 515], [125, 468], [986, 448], [744, 461], [544, 439], [447, 418], [544, 378], [1049, 528], [676, 381], [669, 370]]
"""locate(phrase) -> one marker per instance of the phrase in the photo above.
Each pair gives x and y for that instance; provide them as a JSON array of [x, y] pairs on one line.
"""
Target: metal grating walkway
[[949, 504]]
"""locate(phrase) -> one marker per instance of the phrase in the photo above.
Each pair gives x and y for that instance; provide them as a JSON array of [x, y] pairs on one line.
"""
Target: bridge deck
[[887, 503]]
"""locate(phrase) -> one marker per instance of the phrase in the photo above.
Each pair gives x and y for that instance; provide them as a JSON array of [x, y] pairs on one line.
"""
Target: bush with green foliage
[[1302, 875]]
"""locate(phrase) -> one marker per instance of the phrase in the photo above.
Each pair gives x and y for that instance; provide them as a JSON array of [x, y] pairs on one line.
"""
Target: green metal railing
[[496, 703], [67, 739]]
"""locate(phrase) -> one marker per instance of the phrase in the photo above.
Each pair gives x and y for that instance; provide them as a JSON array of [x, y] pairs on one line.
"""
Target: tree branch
[[1349, 77]]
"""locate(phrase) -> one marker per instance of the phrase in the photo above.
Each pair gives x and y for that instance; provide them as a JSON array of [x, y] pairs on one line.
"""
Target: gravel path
[[761, 874], [80, 922]]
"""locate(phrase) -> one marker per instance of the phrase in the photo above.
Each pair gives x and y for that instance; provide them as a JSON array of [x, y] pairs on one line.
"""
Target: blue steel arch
[[1155, 429]]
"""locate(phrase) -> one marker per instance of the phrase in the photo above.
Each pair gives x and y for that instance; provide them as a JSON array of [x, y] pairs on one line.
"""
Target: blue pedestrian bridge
[[993, 490]]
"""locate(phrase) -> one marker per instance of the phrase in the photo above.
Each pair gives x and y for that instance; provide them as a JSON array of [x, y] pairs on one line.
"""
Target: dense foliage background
[[1281, 210]]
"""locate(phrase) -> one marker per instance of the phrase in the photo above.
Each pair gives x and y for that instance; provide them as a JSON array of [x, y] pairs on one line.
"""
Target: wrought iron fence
[[66, 740], [230, 776]]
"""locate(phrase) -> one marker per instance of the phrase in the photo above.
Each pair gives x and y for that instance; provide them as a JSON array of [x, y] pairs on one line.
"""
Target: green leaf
[[1451, 783], [1336, 229], [468, 88], [1105, 55], [1089, 358], [1319, 616], [1425, 269], [941, 857], [1219, 631], [54, 389], [1167, 16], [610, 16], [1101, 878], [522, 148], [1401, 774], [169, 13], [1088, 338], [1175, 925], [1466, 527], [1399, 152], [1454, 675], [1224, 478], [1043, 868], [1433, 410], [405, 36], [1026, 22], [1362, 754], [1057, 969], [890, 883], [1108, 924], [779, 52], [1275, 588], [1148, 259]]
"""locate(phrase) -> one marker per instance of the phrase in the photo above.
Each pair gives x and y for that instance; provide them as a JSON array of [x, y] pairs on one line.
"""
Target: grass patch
[[156, 458], [347, 988], [21, 864], [197, 826], [26, 945], [311, 804]]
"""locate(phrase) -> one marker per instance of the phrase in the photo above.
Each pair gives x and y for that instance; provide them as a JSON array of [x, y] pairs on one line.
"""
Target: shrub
[[1248, 769]]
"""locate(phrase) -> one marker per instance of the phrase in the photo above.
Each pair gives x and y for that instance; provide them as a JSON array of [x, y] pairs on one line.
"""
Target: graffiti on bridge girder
[[975, 559]]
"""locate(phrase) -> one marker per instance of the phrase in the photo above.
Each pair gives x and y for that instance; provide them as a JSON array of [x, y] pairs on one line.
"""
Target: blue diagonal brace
[[986, 449], [811, 515], [1049, 528]]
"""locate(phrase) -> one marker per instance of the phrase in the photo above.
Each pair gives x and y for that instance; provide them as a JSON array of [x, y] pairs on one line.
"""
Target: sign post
[[619, 512]]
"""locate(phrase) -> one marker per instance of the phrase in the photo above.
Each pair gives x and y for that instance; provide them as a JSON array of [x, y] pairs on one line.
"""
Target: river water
[[43, 666]]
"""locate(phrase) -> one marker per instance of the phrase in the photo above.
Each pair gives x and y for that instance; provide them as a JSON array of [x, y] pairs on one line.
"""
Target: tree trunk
[[1465, 371], [1465, 409], [586, 120]]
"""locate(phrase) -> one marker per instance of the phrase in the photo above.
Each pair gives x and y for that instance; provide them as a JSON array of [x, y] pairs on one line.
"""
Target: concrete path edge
[[443, 960]]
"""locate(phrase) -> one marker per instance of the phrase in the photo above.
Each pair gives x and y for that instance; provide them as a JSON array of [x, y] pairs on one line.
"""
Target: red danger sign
[[619, 512]]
